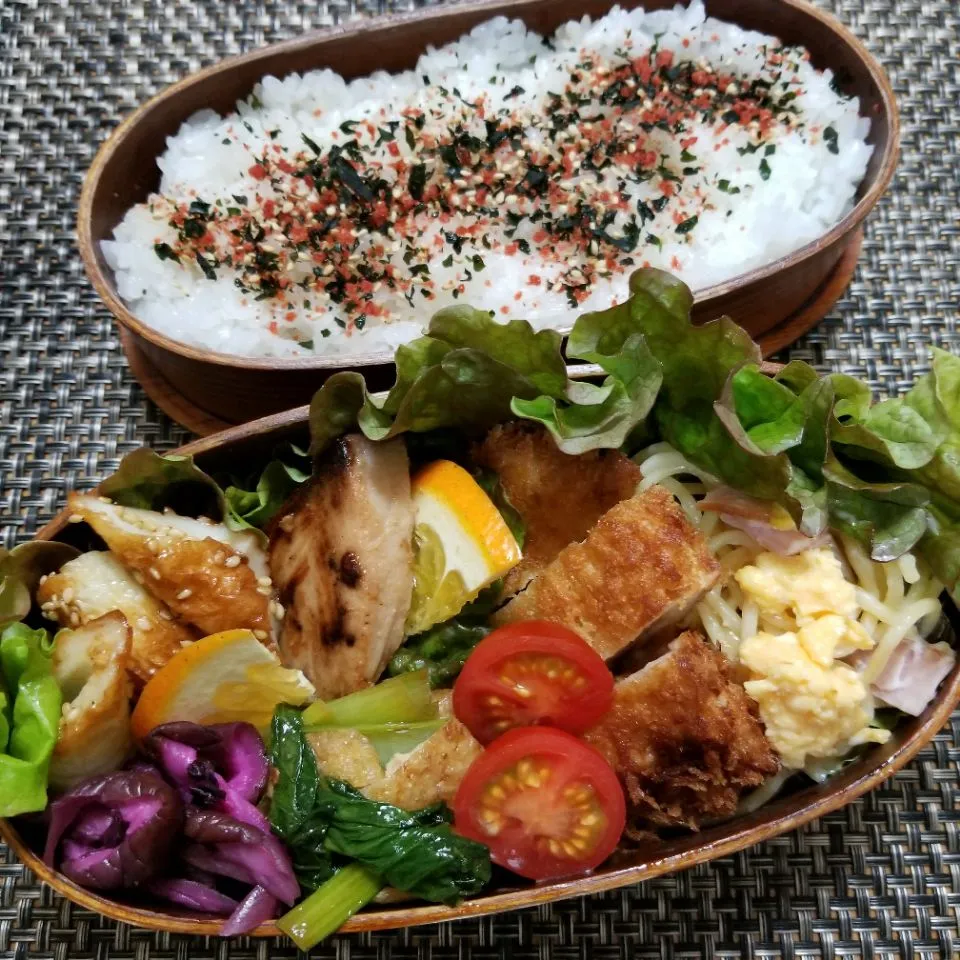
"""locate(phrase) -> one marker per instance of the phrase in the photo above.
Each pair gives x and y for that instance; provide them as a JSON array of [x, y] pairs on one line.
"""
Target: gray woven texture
[[880, 878]]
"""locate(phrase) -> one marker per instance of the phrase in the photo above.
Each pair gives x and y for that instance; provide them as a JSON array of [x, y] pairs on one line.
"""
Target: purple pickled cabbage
[[194, 895], [207, 859], [245, 766], [114, 831], [244, 811], [232, 848], [98, 826], [210, 827], [208, 763], [258, 907]]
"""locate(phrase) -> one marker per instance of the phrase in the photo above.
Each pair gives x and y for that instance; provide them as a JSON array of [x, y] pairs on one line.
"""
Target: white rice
[[808, 186]]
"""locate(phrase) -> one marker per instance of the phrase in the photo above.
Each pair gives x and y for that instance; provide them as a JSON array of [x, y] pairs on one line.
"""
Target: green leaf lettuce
[[30, 704]]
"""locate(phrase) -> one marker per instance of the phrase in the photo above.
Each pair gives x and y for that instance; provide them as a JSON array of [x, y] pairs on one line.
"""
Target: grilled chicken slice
[[90, 667], [207, 575], [429, 773], [560, 497], [96, 583], [641, 568], [341, 558], [684, 738]]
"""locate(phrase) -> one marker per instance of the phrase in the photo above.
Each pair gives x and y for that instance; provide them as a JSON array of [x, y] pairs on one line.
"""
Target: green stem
[[404, 699], [389, 739], [329, 907]]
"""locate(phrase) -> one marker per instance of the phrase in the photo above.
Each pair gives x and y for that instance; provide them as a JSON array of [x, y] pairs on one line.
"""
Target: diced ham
[[760, 519], [911, 676]]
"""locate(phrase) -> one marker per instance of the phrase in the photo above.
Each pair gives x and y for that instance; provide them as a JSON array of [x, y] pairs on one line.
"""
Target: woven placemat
[[880, 878]]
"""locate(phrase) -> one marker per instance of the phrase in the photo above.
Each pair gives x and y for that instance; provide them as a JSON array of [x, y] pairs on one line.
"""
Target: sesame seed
[[185, 594], [233, 561], [143, 623], [75, 518], [154, 572], [261, 634]]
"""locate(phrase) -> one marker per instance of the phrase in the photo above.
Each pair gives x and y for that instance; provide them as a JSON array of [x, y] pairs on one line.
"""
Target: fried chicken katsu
[[684, 738], [560, 497], [640, 569]]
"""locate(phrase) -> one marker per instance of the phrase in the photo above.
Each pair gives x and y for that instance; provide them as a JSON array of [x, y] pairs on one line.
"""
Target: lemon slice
[[224, 677], [461, 544]]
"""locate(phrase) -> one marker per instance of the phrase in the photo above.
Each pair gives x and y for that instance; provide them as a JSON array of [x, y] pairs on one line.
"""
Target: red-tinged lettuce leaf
[[471, 372], [151, 481], [889, 431], [713, 395], [940, 547], [889, 518], [20, 571], [599, 415]]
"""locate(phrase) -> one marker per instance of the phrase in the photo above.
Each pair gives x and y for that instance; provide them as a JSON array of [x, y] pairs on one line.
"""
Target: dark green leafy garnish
[[165, 252], [327, 824]]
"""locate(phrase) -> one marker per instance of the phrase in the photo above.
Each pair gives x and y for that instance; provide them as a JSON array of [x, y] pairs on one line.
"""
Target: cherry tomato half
[[532, 672], [546, 804]]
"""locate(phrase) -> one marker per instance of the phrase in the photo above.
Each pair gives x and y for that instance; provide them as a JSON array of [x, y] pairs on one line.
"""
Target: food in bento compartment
[[207, 575], [95, 584], [559, 498], [90, 665], [685, 738], [341, 560], [522, 174], [639, 570], [740, 592]]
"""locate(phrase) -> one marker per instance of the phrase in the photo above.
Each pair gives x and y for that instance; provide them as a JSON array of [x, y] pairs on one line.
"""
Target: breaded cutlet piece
[[559, 496], [641, 568], [684, 738]]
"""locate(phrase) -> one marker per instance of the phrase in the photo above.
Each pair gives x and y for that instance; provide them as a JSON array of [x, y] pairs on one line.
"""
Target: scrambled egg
[[805, 585], [811, 703]]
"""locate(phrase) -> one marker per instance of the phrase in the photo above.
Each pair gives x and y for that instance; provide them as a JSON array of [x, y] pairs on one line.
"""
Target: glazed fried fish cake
[[205, 574], [559, 496], [95, 584], [684, 738], [641, 568], [430, 773]]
